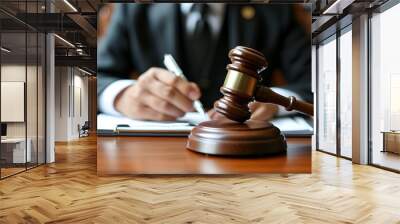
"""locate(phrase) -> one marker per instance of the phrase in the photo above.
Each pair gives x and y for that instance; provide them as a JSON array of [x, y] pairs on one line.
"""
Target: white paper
[[288, 125], [292, 124], [108, 122]]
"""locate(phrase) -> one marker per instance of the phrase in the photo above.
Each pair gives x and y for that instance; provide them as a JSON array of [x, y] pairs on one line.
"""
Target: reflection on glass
[[22, 107], [31, 96], [327, 96], [346, 94], [41, 99], [394, 101], [385, 84], [15, 149]]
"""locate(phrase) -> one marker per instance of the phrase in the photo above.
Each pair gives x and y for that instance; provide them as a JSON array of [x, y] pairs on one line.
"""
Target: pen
[[173, 67]]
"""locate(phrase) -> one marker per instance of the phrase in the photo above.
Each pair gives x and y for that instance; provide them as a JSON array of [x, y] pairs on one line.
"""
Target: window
[[345, 92], [385, 87], [326, 106]]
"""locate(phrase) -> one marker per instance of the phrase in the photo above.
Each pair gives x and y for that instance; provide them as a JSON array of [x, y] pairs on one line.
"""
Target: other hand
[[259, 111], [157, 95], [263, 111]]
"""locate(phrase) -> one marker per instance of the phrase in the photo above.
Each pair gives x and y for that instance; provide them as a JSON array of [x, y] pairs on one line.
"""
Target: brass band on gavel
[[240, 82]]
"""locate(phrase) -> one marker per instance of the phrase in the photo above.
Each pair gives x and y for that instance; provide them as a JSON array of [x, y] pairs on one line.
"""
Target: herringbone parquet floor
[[69, 191]]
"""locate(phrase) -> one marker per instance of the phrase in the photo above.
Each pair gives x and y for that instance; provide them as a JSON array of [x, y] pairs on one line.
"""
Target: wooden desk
[[391, 141], [168, 155]]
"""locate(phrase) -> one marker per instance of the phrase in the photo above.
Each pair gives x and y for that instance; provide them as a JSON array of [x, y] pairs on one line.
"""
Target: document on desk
[[113, 125], [294, 126]]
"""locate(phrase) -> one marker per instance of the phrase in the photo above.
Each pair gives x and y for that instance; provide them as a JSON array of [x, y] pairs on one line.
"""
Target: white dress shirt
[[214, 18]]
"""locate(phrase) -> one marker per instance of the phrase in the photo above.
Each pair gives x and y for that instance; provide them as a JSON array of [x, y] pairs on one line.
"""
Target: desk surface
[[168, 155], [13, 140]]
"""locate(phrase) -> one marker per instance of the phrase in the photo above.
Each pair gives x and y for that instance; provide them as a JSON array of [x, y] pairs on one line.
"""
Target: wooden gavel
[[242, 86]]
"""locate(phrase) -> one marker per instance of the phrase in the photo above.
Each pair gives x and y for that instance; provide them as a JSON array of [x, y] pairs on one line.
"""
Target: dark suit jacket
[[140, 34]]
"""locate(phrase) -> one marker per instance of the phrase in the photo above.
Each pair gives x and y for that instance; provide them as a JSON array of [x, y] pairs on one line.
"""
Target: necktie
[[198, 44]]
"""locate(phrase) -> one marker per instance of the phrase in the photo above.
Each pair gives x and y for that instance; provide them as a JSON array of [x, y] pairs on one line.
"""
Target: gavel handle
[[266, 95]]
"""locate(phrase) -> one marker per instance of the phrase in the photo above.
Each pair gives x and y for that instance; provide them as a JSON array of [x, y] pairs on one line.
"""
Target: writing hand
[[157, 95]]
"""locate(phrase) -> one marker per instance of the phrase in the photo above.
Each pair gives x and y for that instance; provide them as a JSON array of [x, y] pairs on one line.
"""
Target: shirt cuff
[[107, 97], [284, 92]]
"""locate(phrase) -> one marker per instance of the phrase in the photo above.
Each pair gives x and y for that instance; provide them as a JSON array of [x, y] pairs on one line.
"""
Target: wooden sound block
[[230, 138]]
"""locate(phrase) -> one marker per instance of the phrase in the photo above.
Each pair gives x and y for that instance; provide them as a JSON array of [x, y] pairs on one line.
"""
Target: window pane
[[345, 94], [385, 84], [327, 96]]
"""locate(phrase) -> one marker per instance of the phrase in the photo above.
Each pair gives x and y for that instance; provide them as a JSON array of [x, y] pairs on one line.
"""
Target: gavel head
[[240, 83]]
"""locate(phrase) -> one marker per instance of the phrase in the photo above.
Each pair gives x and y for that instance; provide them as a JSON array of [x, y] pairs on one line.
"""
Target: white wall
[[61, 103], [80, 110], [71, 102], [16, 73], [33, 126]]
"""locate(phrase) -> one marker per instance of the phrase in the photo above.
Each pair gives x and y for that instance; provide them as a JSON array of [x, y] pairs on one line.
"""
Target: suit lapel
[[165, 20], [166, 28]]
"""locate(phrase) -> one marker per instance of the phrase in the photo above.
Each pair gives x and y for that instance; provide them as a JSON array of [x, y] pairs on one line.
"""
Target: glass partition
[[35, 87], [41, 97], [15, 149], [22, 77], [32, 96]]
